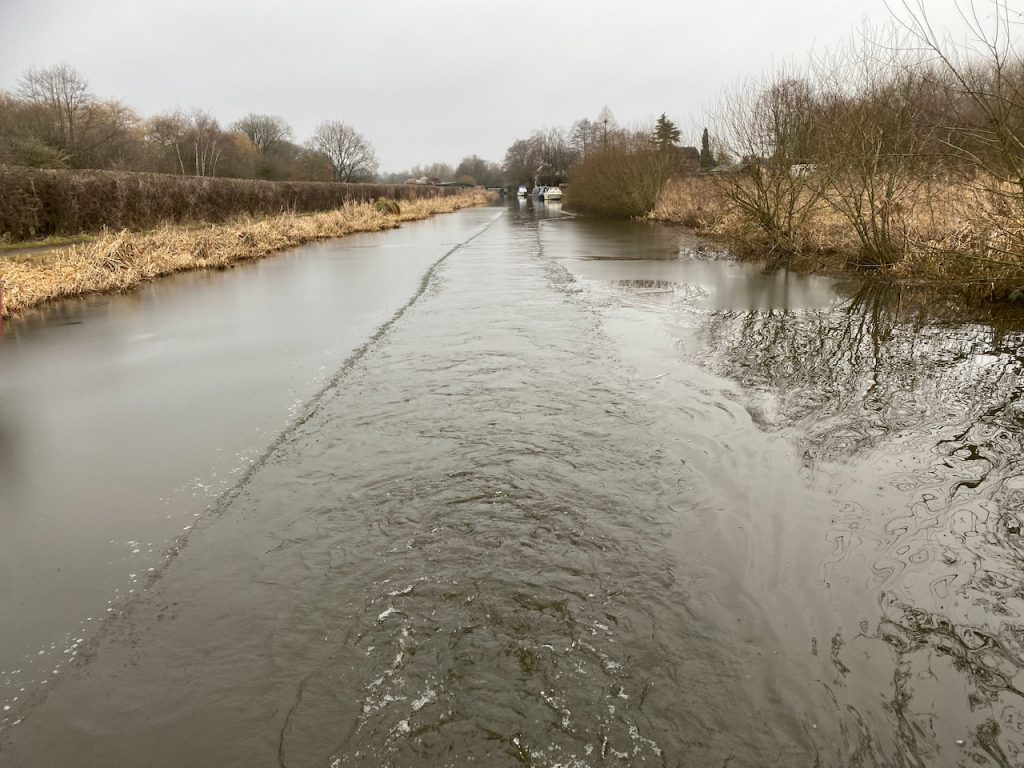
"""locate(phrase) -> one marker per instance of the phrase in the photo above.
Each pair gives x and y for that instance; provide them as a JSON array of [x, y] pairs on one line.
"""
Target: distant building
[[689, 160]]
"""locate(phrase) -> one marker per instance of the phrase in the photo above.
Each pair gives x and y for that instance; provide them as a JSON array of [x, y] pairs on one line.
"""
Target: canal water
[[510, 487]]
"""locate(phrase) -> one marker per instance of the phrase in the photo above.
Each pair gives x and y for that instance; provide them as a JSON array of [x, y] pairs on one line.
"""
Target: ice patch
[[428, 697]]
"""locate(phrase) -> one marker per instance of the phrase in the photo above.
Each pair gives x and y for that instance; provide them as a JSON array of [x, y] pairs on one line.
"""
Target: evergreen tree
[[707, 158], [666, 134]]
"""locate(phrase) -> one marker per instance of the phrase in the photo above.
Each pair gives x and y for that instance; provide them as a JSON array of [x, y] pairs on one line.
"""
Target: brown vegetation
[[120, 261], [902, 154], [623, 176], [951, 232], [610, 170], [52, 119], [38, 203]]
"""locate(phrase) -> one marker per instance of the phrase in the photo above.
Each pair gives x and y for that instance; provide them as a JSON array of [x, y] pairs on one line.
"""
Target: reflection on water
[[599, 497], [668, 268], [914, 425], [123, 417]]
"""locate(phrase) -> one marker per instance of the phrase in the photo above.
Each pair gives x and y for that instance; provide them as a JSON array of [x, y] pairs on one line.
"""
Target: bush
[[388, 206], [622, 178]]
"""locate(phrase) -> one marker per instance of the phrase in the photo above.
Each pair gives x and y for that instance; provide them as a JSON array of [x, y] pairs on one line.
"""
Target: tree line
[[873, 131], [548, 154], [611, 169], [905, 145], [52, 119]]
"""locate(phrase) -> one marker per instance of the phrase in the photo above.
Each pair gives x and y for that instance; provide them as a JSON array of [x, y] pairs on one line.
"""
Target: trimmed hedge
[[37, 202]]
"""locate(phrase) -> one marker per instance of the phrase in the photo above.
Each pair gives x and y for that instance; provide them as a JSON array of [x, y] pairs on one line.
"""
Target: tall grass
[[120, 261], [39, 203], [952, 232]]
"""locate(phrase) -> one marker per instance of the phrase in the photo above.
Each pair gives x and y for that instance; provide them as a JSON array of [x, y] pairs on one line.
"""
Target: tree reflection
[[912, 420]]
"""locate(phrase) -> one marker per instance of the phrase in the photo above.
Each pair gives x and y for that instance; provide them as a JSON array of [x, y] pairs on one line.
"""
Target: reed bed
[[965, 236], [120, 261]]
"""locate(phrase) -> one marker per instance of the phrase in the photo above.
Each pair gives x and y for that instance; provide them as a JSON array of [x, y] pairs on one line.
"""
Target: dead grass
[[120, 261], [965, 236], [38, 202], [44, 243]]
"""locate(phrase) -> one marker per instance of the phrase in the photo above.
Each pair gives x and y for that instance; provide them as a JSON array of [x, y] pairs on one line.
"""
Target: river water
[[564, 493]]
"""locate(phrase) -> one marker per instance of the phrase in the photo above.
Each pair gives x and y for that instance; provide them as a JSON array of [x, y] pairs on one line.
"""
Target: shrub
[[38, 202], [624, 177], [389, 206]]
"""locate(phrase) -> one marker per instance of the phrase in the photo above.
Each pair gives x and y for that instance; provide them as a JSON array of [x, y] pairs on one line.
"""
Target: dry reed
[[120, 261], [41, 202], [964, 235]]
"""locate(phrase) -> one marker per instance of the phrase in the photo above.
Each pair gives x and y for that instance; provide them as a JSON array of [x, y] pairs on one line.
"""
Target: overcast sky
[[425, 80]]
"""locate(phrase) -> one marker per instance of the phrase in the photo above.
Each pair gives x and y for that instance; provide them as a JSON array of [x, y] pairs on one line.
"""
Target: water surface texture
[[594, 495], [122, 418]]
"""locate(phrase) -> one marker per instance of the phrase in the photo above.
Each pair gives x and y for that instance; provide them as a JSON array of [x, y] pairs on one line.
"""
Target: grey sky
[[424, 81]]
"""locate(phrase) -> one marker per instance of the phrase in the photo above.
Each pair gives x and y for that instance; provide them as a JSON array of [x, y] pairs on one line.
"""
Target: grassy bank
[[953, 234], [119, 262]]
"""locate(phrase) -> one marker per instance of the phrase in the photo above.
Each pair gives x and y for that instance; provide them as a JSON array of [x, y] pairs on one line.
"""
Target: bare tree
[[440, 171], [606, 124], [983, 117], [265, 131], [163, 139], [351, 155], [26, 135], [61, 96], [769, 127], [987, 72], [554, 154], [107, 136], [190, 143], [584, 135], [521, 161], [476, 170], [205, 141], [871, 135]]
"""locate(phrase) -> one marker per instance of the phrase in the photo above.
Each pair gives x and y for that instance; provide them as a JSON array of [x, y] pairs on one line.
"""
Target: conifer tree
[[707, 158], [666, 134]]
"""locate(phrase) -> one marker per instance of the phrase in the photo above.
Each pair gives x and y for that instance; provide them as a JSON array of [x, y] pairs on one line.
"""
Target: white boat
[[522, 191], [551, 194]]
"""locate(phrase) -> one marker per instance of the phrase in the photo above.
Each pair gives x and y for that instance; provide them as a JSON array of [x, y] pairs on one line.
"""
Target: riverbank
[[63, 203], [120, 261], [956, 238]]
